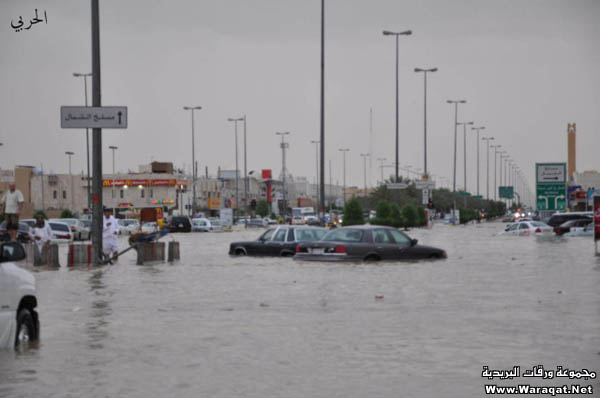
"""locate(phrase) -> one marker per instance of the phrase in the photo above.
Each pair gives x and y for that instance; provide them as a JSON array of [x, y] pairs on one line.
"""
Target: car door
[[403, 245], [524, 229], [7, 293], [259, 247], [274, 246], [384, 244]]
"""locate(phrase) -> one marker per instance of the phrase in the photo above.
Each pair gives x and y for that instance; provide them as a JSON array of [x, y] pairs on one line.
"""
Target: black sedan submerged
[[277, 241], [368, 243]]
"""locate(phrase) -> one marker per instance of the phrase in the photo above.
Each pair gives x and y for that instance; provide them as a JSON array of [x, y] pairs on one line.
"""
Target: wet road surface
[[218, 326]]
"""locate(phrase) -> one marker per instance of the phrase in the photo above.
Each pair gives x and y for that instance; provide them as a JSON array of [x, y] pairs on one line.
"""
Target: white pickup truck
[[19, 323]]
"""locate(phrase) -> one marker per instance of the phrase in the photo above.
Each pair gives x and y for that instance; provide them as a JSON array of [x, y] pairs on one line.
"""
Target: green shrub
[[353, 213], [383, 209], [409, 216], [262, 208], [396, 219], [421, 216], [66, 214]]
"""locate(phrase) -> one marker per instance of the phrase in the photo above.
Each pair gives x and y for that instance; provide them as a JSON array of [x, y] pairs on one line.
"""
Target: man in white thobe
[[110, 233]]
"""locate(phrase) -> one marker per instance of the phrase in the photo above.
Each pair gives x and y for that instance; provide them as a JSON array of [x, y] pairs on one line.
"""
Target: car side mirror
[[12, 251], [413, 242]]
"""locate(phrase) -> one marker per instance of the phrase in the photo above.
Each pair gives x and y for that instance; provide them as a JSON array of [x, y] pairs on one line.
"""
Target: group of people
[[12, 204]]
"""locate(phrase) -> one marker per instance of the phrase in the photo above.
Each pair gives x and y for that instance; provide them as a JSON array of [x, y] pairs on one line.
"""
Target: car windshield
[[538, 224], [344, 235], [69, 221], [59, 227], [309, 234]]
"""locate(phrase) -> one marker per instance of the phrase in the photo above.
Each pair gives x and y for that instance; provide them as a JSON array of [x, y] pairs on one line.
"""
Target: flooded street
[[217, 326]]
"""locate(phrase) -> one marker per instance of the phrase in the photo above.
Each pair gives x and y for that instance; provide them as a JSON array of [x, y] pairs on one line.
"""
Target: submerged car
[[368, 243], [19, 322], [205, 225], [588, 230], [23, 233], [528, 228], [572, 225], [277, 241]]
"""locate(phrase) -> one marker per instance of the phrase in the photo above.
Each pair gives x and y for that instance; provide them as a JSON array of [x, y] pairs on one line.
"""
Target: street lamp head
[[187, 108], [456, 101], [238, 119], [390, 33], [81, 74], [425, 70], [282, 132], [69, 153], [478, 128]]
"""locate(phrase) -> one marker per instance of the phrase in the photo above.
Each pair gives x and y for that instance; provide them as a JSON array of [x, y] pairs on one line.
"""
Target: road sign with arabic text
[[105, 117]]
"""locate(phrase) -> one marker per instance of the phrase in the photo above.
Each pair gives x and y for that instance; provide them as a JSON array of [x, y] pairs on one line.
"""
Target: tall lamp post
[[317, 142], [496, 169], [396, 34], [487, 167], [192, 109], [284, 146], [455, 102], [365, 156], [113, 148], [344, 150], [425, 71], [237, 197], [478, 129], [381, 167], [69, 154], [465, 124], [87, 140]]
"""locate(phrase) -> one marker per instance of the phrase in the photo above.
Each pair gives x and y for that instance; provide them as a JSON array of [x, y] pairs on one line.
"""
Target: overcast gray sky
[[526, 68]]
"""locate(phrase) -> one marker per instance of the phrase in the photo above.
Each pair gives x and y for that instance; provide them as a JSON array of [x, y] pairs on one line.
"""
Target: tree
[[421, 216], [66, 214], [409, 215], [353, 213], [262, 209], [383, 209], [42, 213], [396, 220]]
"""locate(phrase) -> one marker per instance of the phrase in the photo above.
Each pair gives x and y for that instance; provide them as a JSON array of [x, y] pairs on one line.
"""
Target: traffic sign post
[[398, 185], [596, 223], [425, 184], [103, 117], [551, 186], [506, 192]]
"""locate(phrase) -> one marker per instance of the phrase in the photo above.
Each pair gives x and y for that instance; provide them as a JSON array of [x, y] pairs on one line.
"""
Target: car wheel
[[372, 257], [26, 328], [240, 252], [287, 254]]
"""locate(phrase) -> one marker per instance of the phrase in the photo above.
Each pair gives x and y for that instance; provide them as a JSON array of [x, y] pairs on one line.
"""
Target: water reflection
[[100, 310]]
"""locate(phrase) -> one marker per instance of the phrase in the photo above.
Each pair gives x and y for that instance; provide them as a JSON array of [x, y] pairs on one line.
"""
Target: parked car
[[127, 226], [29, 221], [19, 322], [257, 223], [76, 226], [149, 227], [572, 225], [277, 241], [205, 225], [528, 228], [559, 218], [61, 232], [270, 221], [298, 220], [588, 230], [368, 243], [23, 233], [180, 224]]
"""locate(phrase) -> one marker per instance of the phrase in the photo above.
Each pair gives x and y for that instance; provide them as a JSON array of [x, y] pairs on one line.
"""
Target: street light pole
[[246, 182], [113, 148], [496, 169], [381, 166], [87, 140], [284, 145], [344, 150], [365, 156], [237, 198], [69, 154], [396, 34], [487, 168], [455, 102], [425, 71], [192, 109], [464, 124], [478, 129], [317, 142]]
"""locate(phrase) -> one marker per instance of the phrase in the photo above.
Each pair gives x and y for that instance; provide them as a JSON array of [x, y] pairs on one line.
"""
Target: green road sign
[[477, 197], [551, 186], [463, 193], [506, 192]]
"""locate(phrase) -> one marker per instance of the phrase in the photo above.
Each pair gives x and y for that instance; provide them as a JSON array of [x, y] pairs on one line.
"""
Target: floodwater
[[217, 326]]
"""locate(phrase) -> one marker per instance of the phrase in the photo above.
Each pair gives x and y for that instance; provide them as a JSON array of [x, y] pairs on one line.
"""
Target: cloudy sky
[[526, 68]]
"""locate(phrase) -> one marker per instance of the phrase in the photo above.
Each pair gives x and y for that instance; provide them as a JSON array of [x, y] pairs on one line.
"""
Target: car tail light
[[72, 228], [340, 249], [68, 236], [538, 230], [297, 248]]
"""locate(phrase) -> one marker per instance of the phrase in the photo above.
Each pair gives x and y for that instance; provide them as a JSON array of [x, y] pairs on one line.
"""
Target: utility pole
[[464, 124], [425, 71], [381, 167], [87, 141], [237, 198], [316, 142], [487, 168], [478, 129], [192, 109], [69, 154], [322, 173], [113, 148], [283, 146], [455, 102], [344, 150], [96, 140], [365, 156]]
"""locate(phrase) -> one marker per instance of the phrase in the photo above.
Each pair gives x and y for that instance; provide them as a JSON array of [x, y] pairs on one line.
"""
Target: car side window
[[513, 227], [380, 236], [399, 237], [290, 237], [280, 235], [268, 234], [523, 226]]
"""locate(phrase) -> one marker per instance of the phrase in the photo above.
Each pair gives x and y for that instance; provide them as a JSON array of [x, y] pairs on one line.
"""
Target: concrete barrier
[[48, 256], [173, 251], [150, 252], [79, 254]]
